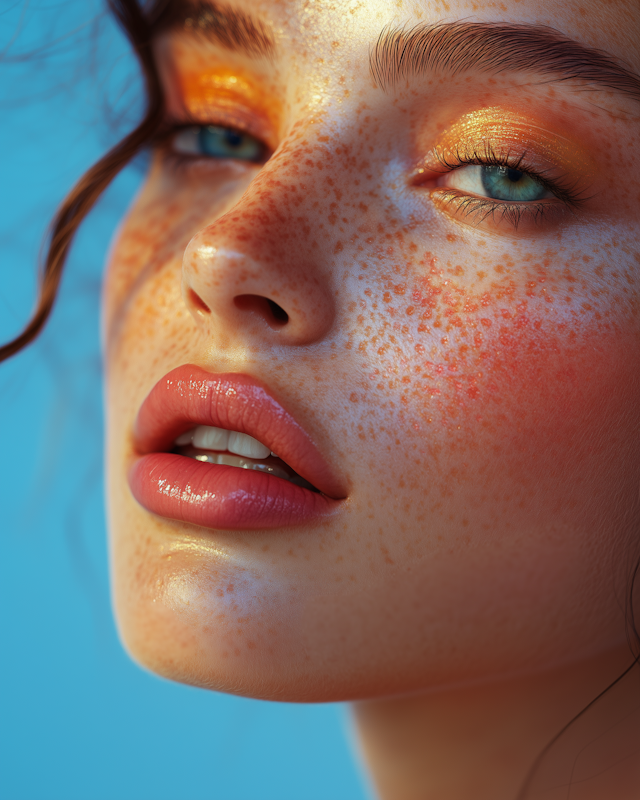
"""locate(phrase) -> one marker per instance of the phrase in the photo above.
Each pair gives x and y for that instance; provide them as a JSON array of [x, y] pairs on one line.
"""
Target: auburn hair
[[139, 26]]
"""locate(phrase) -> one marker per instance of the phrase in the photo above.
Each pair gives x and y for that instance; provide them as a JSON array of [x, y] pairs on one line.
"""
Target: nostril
[[270, 311], [198, 302], [279, 314]]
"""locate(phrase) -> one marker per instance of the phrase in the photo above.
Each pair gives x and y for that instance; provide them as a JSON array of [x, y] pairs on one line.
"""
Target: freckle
[[385, 552]]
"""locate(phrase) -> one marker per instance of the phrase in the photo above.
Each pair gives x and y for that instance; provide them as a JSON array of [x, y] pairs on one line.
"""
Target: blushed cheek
[[557, 400], [530, 375], [519, 367], [578, 437]]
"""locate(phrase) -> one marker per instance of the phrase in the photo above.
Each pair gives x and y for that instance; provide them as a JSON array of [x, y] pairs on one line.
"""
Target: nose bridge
[[288, 210], [275, 244]]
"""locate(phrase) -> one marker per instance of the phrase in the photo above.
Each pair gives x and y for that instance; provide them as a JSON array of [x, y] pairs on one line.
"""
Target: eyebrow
[[232, 28], [493, 47]]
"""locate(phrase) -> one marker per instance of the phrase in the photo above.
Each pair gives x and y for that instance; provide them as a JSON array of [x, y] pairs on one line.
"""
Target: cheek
[[158, 228], [554, 399], [516, 383]]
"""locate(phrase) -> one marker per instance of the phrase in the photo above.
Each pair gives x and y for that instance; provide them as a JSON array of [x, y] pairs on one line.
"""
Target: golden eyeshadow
[[513, 133], [202, 90], [222, 89]]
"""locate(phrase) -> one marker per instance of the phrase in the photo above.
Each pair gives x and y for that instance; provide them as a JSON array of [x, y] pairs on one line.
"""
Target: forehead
[[321, 47], [331, 28]]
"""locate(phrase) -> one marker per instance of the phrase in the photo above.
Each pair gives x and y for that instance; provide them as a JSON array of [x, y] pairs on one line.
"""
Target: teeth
[[206, 437], [241, 450], [244, 445], [229, 460], [235, 460], [209, 438]]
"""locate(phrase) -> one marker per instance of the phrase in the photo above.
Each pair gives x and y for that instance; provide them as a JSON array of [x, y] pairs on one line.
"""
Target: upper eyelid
[[242, 120], [563, 186], [488, 157], [478, 207], [537, 175]]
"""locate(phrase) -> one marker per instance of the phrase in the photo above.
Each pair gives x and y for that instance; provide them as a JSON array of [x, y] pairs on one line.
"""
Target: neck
[[480, 742]]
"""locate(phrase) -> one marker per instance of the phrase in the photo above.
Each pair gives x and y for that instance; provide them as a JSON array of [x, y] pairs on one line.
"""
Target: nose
[[258, 271]]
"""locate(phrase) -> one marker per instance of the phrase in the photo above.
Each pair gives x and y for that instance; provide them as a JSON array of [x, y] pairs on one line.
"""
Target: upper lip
[[190, 396]]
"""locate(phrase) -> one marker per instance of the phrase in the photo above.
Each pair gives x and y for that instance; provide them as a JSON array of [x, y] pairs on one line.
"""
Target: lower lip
[[221, 497]]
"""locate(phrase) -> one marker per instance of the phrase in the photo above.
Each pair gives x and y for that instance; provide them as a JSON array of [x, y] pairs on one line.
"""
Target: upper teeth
[[206, 437]]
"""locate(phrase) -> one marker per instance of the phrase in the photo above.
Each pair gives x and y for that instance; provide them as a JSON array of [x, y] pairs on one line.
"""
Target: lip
[[221, 497]]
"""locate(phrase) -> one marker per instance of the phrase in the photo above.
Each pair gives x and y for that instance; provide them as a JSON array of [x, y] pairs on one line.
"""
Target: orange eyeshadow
[[224, 89], [506, 131]]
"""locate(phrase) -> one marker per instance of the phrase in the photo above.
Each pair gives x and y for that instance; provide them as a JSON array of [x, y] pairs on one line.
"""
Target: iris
[[218, 142], [505, 183]]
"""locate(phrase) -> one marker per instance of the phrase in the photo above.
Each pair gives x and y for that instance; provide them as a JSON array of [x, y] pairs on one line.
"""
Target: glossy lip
[[214, 496]]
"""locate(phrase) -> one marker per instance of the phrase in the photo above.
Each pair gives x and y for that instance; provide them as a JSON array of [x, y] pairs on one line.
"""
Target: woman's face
[[410, 265]]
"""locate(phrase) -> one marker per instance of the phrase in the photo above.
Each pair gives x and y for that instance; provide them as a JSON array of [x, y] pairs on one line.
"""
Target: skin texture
[[475, 385]]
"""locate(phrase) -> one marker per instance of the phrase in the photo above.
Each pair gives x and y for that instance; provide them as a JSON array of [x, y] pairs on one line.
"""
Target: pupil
[[233, 139], [514, 175]]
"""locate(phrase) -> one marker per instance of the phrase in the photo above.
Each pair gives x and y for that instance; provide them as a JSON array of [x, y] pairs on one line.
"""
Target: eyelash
[[172, 127], [481, 208], [512, 212]]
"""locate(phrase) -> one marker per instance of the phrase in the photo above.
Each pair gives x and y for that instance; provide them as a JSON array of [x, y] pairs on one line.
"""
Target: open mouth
[[213, 445], [202, 454]]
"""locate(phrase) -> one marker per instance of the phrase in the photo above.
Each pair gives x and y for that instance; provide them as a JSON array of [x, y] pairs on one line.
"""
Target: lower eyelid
[[523, 218]]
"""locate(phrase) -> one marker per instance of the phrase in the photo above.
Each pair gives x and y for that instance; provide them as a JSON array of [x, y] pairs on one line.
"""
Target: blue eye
[[497, 183], [215, 141], [504, 183]]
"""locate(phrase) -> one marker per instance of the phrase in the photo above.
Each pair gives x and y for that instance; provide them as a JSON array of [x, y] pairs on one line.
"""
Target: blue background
[[79, 720]]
